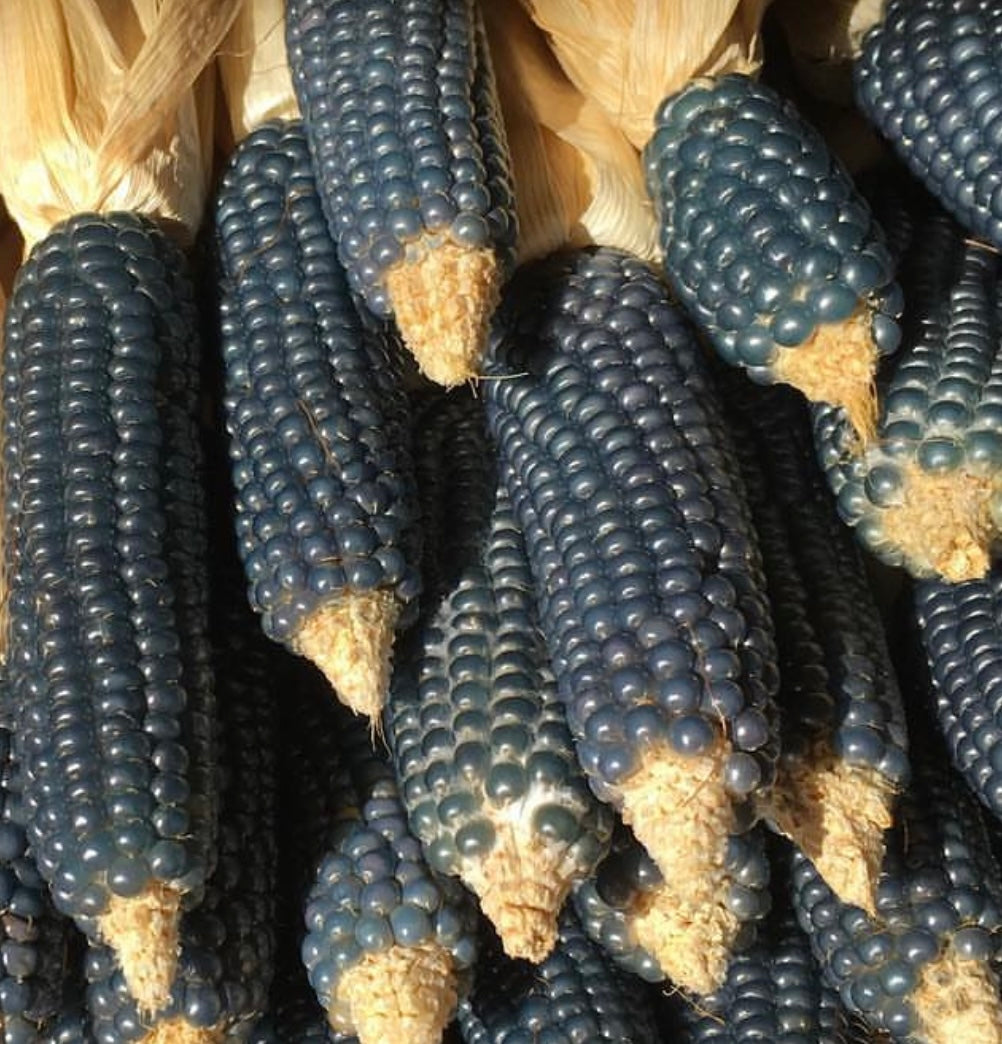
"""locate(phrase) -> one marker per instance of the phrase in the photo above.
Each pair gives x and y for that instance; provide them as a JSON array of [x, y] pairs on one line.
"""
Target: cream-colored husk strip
[[957, 1001], [628, 55], [406, 994], [107, 106], [254, 68], [836, 814], [680, 812], [443, 296], [143, 933], [350, 639], [943, 525], [178, 1031], [524, 879], [578, 180], [837, 365]]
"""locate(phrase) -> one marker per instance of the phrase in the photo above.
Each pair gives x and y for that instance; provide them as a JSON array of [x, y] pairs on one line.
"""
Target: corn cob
[[774, 992], [318, 427], [35, 940], [769, 246], [649, 583], [486, 763], [961, 631], [927, 76], [575, 994], [844, 754], [388, 945], [625, 907], [105, 556], [925, 968], [402, 118], [928, 494], [227, 943]]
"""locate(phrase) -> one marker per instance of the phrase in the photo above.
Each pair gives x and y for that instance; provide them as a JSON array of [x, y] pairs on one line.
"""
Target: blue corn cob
[[927, 494], [576, 994], [318, 423], [844, 752], [648, 579], [928, 77], [388, 945], [925, 967], [105, 556], [768, 244], [481, 746], [626, 905], [227, 942], [406, 135], [961, 630]]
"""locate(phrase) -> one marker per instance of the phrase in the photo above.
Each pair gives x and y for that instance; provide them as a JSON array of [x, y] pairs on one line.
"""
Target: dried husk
[[578, 180], [628, 55], [108, 107], [254, 68]]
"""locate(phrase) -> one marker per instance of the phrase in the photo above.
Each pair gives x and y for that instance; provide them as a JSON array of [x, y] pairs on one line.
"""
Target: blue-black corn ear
[[401, 113]]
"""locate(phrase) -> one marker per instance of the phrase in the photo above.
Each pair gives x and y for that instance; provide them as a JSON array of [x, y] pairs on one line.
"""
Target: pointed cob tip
[[142, 930], [180, 1031], [943, 523], [956, 999], [351, 641], [680, 811], [837, 365], [522, 884], [405, 993], [836, 814], [443, 296]]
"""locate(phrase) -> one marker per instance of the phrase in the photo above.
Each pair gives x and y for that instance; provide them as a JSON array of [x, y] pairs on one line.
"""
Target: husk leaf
[[254, 68], [102, 109], [628, 55], [578, 179]]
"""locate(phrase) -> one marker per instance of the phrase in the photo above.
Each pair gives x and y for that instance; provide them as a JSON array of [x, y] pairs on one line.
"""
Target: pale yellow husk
[[254, 69], [628, 55], [108, 106], [578, 180], [956, 1001]]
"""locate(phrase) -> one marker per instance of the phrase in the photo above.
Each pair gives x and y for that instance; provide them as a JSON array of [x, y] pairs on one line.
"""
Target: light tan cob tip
[[179, 1031], [351, 641], [405, 993], [957, 1001], [443, 296]]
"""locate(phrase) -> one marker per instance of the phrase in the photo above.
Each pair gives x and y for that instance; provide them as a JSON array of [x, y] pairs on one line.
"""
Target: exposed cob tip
[[142, 930], [351, 641], [942, 523], [443, 296], [680, 811], [957, 1000], [522, 884], [837, 365], [836, 814], [405, 993], [180, 1031]]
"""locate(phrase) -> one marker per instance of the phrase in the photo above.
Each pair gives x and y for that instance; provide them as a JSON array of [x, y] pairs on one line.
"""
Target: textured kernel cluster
[[927, 76], [316, 414], [404, 130], [838, 684], [961, 631], [940, 887], [764, 236], [476, 724], [608, 903], [941, 412], [34, 938], [648, 580], [773, 992], [227, 943], [109, 664], [576, 994]]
